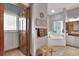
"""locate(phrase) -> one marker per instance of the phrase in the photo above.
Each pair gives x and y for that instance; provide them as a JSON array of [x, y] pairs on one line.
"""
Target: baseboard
[[72, 46], [11, 49], [58, 45]]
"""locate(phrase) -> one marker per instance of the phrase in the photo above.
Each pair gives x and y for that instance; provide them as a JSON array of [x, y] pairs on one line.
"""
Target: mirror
[[72, 28], [75, 26]]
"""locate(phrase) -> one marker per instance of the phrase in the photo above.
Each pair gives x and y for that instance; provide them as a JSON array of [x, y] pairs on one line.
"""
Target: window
[[10, 21], [58, 27]]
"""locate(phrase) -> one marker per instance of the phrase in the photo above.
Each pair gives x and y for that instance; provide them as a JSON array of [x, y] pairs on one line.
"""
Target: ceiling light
[[53, 11]]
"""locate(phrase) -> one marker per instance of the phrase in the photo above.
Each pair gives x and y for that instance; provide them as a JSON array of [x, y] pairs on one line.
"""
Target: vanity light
[[71, 20], [74, 19], [53, 11]]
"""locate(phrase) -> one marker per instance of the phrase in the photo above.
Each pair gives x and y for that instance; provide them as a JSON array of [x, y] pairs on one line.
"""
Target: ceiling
[[58, 7], [26, 4]]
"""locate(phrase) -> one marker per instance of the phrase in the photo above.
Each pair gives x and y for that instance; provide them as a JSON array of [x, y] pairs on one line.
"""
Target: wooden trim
[[71, 46], [73, 34], [1, 29], [30, 27], [26, 51]]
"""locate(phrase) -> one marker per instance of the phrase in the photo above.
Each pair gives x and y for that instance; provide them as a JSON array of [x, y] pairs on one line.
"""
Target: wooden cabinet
[[69, 26]]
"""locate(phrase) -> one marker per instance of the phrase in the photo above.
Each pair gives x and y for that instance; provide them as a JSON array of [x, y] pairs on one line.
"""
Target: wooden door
[[1, 30], [25, 34]]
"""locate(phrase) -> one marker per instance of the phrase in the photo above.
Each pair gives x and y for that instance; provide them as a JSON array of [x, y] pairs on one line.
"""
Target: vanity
[[72, 37]]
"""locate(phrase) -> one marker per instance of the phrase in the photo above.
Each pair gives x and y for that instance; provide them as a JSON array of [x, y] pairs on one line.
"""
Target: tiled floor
[[71, 51], [65, 51], [16, 52], [59, 51]]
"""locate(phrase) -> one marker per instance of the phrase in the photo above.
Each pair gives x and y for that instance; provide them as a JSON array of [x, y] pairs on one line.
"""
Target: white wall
[[37, 42], [73, 12], [11, 40], [42, 41]]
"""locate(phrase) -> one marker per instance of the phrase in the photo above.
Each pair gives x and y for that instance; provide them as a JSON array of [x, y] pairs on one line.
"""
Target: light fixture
[[74, 19], [53, 11]]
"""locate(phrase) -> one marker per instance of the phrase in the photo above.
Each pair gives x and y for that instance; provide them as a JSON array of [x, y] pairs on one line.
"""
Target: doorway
[[16, 32]]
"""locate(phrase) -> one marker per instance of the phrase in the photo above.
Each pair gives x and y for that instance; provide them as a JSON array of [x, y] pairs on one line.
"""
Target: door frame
[[1, 29], [28, 32], [30, 22]]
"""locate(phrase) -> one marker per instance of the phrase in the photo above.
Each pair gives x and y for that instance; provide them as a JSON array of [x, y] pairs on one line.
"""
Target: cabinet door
[[76, 41], [71, 40]]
